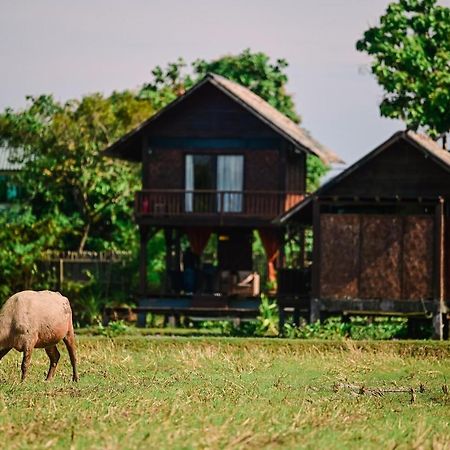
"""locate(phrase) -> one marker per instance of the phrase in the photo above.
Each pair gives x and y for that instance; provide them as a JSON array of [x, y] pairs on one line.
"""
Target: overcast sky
[[70, 48]]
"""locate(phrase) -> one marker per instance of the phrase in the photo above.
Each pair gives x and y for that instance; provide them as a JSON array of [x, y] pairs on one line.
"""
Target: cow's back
[[40, 316]]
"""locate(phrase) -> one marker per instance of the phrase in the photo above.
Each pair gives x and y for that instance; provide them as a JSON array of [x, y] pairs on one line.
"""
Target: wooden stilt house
[[381, 233], [218, 160]]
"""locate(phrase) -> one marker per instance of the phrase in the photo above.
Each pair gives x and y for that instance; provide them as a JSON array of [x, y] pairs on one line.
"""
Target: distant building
[[382, 234], [9, 191]]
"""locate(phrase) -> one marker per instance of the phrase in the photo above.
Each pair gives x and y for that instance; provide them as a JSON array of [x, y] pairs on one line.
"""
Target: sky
[[72, 48]]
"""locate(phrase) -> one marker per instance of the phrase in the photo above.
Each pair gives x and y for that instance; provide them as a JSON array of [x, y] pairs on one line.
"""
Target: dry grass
[[230, 393]]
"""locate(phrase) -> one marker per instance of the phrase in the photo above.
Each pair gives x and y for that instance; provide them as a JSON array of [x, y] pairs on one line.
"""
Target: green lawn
[[150, 392]]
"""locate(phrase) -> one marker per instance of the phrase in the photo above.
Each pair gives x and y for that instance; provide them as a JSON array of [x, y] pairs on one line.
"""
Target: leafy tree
[[255, 71], [24, 237], [411, 51], [64, 174], [252, 70]]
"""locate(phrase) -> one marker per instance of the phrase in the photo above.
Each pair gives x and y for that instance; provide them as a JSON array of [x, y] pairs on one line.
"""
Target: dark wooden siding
[[165, 168], [209, 113], [376, 256], [295, 173], [401, 170], [262, 168]]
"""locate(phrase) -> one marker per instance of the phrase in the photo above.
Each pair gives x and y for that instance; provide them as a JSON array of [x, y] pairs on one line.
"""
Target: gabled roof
[[423, 143], [281, 124], [5, 163]]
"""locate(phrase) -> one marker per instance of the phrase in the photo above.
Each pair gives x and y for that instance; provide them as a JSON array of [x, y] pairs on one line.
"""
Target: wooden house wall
[[372, 256], [295, 172], [210, 122], [209, 113], [263, 170], [400, 170]]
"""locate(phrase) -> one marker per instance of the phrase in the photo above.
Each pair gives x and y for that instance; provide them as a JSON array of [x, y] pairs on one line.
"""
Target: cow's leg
[[54, 355], [69, 340], [26, 361]]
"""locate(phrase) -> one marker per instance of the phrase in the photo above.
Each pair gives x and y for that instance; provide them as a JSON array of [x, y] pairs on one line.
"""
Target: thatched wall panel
[[418, 255], [380, 257], [339, 262]]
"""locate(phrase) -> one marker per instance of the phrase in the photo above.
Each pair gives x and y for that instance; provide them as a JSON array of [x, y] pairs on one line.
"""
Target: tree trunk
[[84, 237]]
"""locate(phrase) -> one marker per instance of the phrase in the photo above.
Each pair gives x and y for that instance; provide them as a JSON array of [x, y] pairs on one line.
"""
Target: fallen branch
[[379, 392]]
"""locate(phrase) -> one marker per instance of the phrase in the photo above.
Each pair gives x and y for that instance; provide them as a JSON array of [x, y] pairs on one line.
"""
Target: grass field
[[150, 392]]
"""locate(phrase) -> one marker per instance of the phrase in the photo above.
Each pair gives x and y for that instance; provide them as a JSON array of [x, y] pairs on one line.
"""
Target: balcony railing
[[263, 204]]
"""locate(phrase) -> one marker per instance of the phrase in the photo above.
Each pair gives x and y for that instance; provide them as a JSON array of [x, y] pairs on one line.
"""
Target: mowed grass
[[141, 392]]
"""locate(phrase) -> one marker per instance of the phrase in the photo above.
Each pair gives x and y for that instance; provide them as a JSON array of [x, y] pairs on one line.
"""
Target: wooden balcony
[[175, 207]]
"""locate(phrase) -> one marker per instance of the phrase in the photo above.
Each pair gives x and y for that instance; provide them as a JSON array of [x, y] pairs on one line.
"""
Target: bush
[[357, 328]]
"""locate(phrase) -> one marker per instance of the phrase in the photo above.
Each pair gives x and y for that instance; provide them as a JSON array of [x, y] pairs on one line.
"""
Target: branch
[[379, 392]]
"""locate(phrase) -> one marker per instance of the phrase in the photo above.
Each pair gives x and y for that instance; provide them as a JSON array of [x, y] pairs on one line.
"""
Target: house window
[[209, 173]]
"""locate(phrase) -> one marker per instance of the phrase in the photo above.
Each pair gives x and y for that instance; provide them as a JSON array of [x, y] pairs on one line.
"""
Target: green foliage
[[267, 321], [156, 267], [356, 328], [256, 72], [64, 174], [266, 324], [113, 329], [24, 237], [167, 84], [411, 51], [316, 170], [73, 198]]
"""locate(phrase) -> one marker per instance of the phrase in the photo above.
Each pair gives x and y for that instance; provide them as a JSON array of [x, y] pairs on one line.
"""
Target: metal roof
[[5, 164], [281, 124]]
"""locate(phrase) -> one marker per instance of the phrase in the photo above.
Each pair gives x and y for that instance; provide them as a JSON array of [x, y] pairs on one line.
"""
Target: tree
[[258, 73], [252, 70], [64, 173], [411, 51]]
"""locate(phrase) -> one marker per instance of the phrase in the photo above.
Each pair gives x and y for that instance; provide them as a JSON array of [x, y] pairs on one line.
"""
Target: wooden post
[[281, 259], [314, 310], [61, 274], [143, 259], [438, 319], [169, 259], [281, 319]]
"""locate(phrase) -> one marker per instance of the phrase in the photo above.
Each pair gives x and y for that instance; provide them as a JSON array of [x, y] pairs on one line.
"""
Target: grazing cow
[[37, 319]]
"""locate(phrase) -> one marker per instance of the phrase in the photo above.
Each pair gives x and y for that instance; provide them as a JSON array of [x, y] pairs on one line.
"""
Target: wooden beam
[[438, 323], [424, 308], [143, 259], [145, 160], [315, 288]]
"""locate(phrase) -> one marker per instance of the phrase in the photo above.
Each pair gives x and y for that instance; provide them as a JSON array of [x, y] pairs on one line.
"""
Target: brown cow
[[37, 319]]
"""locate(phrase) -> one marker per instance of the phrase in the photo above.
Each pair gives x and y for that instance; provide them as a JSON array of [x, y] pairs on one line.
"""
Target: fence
[[106, 268]]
